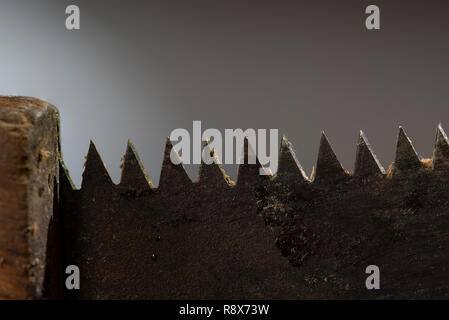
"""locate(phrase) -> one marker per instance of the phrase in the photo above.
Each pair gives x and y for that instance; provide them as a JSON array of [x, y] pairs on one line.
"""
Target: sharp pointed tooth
[[289, 167], [212, 175], [173, 176], [134, 176], [406, 157], [441, 151], [328, 168], [366, 162], [95, 173], [65, 182], [248, 174]]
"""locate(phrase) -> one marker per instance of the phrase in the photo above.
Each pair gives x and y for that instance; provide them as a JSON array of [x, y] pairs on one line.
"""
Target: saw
[[284, 236]]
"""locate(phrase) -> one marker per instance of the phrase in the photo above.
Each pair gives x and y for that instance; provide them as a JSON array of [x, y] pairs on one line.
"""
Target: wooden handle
[[29, 151]]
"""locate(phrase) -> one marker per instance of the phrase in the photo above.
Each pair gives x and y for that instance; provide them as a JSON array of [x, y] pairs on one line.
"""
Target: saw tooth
[[173, 176], [441, 150], [95, 172], [212, 175], [134, 177], [289, 167], [248, 174], [406, 157], [65, 182], [328, 168], [366, 162]]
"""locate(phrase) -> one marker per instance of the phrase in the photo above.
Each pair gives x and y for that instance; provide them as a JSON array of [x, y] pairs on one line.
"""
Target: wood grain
[[29, 143]]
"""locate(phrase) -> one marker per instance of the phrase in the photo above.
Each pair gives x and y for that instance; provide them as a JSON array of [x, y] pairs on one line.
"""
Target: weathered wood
[[29, 143]]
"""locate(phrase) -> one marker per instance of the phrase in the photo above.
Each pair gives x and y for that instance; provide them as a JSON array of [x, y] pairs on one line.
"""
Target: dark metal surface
[[184, 240], [284, 237], [398, 221]]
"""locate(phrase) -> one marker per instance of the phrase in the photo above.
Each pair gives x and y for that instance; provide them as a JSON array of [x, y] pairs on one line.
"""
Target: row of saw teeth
[[328, 167]]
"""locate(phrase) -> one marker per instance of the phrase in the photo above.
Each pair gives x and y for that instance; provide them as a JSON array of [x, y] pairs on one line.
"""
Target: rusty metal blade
[[289, 166], [441, 151], [406, 157], [328, 168], [134, 177], [95, 172], [366, 162], [213, 175], [173, 177]]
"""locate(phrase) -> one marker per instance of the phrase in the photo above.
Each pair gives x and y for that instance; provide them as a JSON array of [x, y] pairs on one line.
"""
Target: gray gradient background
[[138, 69]]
